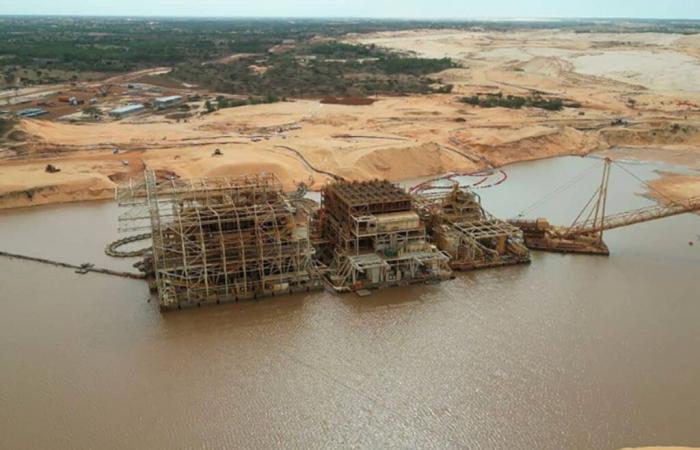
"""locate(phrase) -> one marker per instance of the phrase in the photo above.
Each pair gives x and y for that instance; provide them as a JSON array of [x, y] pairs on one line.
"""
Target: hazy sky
[[686, 9]]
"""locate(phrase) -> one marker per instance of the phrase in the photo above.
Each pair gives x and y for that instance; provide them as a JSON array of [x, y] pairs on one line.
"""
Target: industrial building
[[31, 112], [370, 236], [220, 239], [167, 102], [472, 237], [128, 110]]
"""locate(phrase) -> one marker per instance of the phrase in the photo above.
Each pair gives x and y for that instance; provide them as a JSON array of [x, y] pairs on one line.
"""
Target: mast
[[599, 216]]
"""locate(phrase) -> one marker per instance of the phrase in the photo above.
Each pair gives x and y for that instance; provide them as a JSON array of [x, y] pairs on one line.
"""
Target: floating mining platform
[[541, 235], [226, 239], [219, 240]]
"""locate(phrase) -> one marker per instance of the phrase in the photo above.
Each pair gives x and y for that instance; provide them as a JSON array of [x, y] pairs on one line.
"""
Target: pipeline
[[112, 249], [82, 268], [484, 176], [309, 165]]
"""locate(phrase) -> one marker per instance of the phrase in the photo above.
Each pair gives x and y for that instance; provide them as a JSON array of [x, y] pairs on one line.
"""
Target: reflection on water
[[569, 352]]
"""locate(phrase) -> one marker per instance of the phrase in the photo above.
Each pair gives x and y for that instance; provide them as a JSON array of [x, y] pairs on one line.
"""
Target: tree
[[92, 111]]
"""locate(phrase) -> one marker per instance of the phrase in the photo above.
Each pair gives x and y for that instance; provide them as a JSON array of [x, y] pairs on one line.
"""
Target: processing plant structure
[[225, 239], [219, 239], [239, 238], [371, 236], [472, 237]]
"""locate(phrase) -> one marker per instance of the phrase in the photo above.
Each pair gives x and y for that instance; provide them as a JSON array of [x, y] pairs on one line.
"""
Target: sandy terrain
[[671, 187], [659, 448], [647, 99]]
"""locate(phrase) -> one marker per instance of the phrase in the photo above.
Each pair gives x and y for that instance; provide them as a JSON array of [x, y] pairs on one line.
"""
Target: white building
[[127, 110], [167, 102]]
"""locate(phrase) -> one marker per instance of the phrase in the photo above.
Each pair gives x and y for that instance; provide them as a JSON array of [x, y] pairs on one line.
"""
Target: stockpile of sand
[[402, 162]]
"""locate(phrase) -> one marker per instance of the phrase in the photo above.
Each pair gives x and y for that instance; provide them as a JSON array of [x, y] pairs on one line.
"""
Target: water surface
[[569, 352]]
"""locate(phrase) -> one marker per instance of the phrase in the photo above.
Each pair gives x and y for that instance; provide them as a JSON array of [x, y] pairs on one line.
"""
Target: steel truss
[[220, 239], [472, 237], [364, 253]]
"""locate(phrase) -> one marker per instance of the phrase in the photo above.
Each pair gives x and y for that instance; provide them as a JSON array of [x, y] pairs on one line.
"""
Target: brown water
[[569, 352]]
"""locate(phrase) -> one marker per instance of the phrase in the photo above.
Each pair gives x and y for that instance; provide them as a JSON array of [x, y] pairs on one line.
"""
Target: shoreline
[[669, 183]]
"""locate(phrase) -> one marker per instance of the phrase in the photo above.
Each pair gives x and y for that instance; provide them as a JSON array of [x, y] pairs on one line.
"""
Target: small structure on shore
[[128, 110], [31, 112], [167, 102]]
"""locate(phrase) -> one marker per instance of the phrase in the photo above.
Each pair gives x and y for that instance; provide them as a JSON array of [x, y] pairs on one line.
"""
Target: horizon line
[[416, 19]]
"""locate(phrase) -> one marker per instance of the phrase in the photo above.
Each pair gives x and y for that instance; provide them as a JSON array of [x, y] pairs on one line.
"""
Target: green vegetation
[[223, 102], [301, 72], [92, 111], [514, 102], [291, 60], [303, 53], [393, 64], [340, 50], [36, 50]]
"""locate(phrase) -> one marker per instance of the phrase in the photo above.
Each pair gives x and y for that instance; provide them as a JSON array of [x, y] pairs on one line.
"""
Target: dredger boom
[[626, 218], [585, 235]]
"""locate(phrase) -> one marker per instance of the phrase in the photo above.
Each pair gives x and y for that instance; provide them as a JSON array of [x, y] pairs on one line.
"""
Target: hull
[[580, 246]]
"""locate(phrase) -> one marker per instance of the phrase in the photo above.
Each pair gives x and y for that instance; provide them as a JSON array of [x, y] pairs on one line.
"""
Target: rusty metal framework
[[220, 239], [372, 237], [472, 237]]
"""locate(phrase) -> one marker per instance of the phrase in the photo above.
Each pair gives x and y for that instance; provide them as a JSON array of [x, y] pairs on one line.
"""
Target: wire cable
[[645, 183], [563, 188]]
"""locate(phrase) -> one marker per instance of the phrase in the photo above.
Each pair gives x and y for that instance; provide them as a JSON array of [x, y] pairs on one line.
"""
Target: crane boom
[[585, 234], [632, 217]]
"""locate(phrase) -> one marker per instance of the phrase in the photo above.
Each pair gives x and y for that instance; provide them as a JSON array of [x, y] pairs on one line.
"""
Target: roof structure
[[170, 98], [127, 109]]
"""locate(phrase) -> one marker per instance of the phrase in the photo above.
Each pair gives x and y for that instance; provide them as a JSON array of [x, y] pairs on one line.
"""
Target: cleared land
[[632, 90]]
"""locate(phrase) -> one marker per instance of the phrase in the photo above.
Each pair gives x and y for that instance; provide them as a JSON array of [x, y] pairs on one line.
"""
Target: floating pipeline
[[79, 268], [483, 178], [112, 249]]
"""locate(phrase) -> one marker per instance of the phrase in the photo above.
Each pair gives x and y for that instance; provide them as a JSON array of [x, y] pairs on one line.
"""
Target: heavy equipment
[[585, 234]]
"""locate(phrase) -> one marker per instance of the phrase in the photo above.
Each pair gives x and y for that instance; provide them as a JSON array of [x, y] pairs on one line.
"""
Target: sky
[[416, 9]]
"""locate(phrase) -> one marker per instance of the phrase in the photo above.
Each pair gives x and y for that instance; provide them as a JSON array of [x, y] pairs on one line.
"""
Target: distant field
[[248, 57]]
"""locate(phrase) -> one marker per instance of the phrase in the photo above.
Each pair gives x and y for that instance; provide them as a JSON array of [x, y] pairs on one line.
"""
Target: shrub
[[513, 102]]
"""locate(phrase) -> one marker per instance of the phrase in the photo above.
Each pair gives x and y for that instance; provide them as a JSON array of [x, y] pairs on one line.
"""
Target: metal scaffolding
[[472, 237], [220, 239], [372, 237]]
